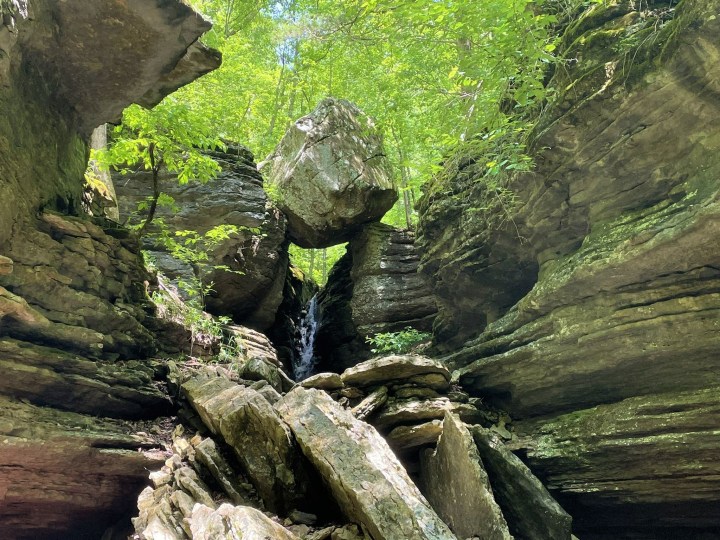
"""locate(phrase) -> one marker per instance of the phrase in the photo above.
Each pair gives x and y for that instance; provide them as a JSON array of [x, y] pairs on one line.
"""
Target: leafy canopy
[[433, 73]]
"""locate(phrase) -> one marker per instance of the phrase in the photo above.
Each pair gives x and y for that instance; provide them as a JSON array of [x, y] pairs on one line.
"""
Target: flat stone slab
[[236, 522], [416, 411], [397, 368], [458, 487], [324, 381], [406, 437], [531, 511], [368, 482]]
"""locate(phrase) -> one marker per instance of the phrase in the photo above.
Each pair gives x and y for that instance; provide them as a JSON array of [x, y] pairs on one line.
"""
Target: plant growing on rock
[[397, 342], [167, 137]]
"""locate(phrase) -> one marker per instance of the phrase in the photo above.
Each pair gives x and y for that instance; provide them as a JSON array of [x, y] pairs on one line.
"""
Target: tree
[[168, 136]]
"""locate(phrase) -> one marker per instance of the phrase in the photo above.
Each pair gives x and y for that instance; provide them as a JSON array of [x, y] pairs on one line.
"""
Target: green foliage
[[432, 74], [169, 136], [316, 263], [397, 342]]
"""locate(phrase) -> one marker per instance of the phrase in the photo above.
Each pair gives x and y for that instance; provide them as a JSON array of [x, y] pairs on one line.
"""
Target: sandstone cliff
[[593, 310]]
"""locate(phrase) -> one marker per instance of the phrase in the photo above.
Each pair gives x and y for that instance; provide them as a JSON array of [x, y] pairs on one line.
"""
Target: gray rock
[[331, 175], [386, 369], [406, 437], [416, 411], [208, 455], [456, 484], [238, 522], [366, 479], [376, 399], [261, 441], [324, 381], [530, 510], [189, 481], [247, 270]]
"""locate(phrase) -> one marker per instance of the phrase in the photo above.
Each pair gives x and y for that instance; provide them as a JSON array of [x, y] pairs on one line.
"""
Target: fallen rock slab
[[236, 522], [368, 482], [261, 441], [406, 437], [415, 411], [324, 381], [531, 511], [396, 368], [458, 487]]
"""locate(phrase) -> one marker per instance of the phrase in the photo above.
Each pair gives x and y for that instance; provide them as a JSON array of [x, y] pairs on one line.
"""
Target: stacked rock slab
[[374, 288], [619, 309], [331, 175], [405, 397], [262, 442], [367, 481], [74, 326], [247, 271]]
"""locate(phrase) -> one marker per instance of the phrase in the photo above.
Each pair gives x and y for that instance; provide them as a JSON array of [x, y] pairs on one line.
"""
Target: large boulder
[[375, 288], [331, 175], [246, 272], [601, 288], [368, 482]]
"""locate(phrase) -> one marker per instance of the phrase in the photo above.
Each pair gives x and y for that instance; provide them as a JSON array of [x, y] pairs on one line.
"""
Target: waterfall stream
[[303, 363]]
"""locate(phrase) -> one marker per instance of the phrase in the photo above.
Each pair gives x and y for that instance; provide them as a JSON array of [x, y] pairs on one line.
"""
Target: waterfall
[[303, 363]]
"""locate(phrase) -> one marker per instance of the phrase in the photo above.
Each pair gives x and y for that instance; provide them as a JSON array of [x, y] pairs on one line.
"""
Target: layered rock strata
[[374, 288], [245, 272], [75, 324], [613, 249]]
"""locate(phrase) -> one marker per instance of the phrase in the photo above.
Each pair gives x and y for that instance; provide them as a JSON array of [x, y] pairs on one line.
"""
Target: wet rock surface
[[331, 175]]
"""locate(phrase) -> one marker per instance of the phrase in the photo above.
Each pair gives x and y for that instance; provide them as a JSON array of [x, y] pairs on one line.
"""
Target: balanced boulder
[[331, 175]]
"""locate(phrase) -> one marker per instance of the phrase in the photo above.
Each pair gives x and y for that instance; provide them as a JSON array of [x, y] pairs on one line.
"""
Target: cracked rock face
[[331, 175]]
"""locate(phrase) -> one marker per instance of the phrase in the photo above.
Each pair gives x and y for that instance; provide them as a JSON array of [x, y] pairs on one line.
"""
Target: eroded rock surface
[[367, 481], [247, 270], [609, 264], [64, 471], [75, 323], [374, 288], [331, 175]]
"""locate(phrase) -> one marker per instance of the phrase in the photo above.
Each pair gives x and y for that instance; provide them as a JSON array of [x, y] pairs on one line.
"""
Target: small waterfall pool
[[304, 360]]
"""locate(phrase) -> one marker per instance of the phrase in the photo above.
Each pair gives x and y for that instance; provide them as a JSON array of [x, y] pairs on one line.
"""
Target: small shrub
[[397, 342]]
